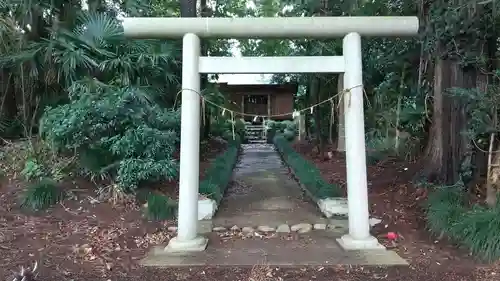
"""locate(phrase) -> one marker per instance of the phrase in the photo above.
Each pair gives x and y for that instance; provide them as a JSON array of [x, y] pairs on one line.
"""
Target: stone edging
[[332, 206], [282, 228], [304, 227]]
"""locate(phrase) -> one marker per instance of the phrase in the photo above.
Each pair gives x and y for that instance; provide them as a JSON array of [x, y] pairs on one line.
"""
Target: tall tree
[[188, 8]]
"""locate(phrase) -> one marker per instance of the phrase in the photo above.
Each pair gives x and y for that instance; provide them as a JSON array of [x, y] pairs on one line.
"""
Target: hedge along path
[[306, 172], [220, 172]]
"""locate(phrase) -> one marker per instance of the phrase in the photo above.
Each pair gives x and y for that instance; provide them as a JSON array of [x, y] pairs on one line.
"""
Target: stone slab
[[316, 249], [206, 209], [335, 206]]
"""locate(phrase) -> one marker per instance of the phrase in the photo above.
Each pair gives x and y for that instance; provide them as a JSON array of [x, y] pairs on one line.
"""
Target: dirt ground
[[81, 235], [395, 200], [82, 239]]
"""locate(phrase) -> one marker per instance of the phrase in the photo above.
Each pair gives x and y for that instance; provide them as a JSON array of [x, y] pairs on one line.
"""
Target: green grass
[[476, 228], [41, 195], [160, 207]]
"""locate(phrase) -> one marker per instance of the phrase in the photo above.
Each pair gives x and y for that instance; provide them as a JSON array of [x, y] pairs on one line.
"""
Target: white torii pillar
[[191, 29]]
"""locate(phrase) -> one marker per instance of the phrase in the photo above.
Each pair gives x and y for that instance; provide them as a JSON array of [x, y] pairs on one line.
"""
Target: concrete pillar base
[[350, 244], [198, 244]]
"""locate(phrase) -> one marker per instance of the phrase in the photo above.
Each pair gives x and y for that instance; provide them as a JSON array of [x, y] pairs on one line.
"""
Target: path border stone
[[281, 228]]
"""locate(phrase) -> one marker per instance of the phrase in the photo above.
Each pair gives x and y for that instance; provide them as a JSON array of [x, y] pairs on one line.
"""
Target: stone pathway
[[264, 196], [265, 218]]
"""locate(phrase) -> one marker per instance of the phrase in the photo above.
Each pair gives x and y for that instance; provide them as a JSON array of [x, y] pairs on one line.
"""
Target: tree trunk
[[315, 95], [306, 118], [480, 158], [492, 175], [188, 8], [493, 168], [204, 77], [447, 144], [341, 117]]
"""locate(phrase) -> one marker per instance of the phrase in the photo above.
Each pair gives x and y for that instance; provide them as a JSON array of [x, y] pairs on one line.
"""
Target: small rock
[[235, 228], [265, 228], [321, 226], [219, 228], [172, 228], [302, 227], [305, 229], [248, 229], [284, 228]]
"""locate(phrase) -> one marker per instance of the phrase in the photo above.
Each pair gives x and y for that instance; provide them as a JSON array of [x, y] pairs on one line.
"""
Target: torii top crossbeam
[[270, 27]]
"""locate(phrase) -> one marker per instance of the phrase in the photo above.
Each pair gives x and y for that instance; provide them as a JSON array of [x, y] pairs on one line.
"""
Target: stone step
[[254, 128], [255, 135], [255, 132], [257, 141]]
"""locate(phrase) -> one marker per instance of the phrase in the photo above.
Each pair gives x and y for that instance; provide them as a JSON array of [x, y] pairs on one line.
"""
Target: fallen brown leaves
[[107, 244], [263, 272], [397, 201]]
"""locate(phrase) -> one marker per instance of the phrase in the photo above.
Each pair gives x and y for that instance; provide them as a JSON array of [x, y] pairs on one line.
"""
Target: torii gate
[[191, 29]]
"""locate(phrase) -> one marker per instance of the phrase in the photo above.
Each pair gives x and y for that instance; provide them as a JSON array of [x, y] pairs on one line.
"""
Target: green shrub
[[305, 171], [287, 128], [117, 131], [160, 207], [379, 148], [219, 174], [223, 127], [478, 229], [473, 227], [32, 170], [41, 195], [444, 207], [289, 135]]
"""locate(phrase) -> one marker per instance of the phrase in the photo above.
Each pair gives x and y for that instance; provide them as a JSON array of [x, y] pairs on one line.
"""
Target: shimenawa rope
[[295, 113]]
